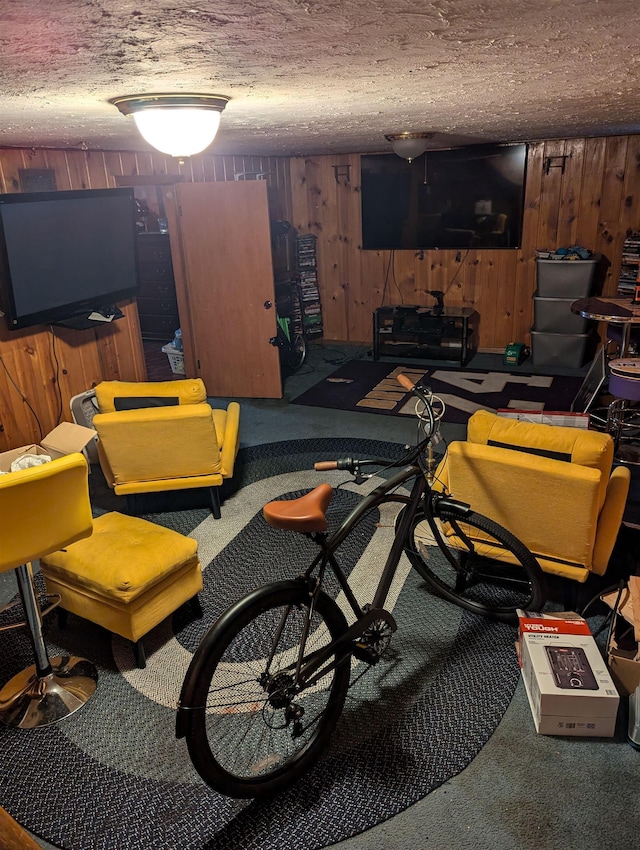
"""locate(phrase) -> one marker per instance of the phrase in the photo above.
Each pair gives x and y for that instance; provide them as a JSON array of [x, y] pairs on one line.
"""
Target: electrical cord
[[22, 396], [609, 620], [57, 374]]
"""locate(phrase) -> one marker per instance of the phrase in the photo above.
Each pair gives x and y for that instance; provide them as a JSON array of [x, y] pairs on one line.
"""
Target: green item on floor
[[515, 353]]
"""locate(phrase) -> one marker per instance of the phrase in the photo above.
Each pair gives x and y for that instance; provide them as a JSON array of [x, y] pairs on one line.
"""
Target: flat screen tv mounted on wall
[[470, 197], [66, 255]]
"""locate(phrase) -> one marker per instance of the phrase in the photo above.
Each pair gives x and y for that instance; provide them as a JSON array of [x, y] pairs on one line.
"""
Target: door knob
[[268, 305]]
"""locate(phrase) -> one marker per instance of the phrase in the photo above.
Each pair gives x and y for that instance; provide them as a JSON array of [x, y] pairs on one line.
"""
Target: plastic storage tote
[[551, 349], [553, 315], [565, 278]]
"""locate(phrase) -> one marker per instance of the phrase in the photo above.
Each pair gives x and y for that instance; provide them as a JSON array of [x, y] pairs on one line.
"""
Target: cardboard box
[[622, 651], [63, 440], [568, 685]]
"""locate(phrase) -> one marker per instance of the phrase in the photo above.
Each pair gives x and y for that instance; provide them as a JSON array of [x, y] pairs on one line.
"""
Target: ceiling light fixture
[[409, 145], [175, 124]]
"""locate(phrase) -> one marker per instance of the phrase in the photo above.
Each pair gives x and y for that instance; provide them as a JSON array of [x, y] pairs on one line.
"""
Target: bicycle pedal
[[365, 653]]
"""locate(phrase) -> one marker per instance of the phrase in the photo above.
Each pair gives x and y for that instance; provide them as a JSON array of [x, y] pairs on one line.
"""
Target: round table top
[[607, 309]]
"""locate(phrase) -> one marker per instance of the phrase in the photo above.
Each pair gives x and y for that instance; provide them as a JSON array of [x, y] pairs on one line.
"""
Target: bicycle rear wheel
[[296, 352], [249, 731], [476, 564]]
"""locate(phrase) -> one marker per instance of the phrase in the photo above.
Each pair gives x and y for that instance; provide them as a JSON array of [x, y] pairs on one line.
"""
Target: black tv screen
[[469, 197], [66, 254]]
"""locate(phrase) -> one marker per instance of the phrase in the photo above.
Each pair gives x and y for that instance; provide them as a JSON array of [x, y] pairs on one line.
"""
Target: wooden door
[[221, 250]]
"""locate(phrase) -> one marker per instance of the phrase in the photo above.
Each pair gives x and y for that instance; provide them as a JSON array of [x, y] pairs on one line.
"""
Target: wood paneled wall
[[593, 201], [42, 368]]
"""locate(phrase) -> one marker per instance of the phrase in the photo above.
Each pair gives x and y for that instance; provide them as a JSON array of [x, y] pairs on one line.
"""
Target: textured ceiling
[[321, 76]]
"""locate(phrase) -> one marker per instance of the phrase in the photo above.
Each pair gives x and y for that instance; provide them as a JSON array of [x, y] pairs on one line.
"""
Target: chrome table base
[[29, 701]]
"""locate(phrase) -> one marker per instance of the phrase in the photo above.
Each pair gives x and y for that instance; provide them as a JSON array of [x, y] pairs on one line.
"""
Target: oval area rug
[[113, 775]]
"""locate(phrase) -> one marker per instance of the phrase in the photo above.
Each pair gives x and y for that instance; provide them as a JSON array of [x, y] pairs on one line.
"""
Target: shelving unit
[[630, 268], [307, 273], [157, 303]]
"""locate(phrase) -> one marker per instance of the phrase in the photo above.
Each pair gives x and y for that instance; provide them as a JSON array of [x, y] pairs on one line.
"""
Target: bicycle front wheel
[[476, 564], [250, 730]]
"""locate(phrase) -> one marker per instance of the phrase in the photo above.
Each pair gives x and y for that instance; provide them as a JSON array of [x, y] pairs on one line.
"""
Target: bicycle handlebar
[[323, 465], [350, 463], [353, 465], [406, 382]]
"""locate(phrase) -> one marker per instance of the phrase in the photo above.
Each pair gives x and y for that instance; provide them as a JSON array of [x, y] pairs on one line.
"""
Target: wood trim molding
[[148, 179], [13, 836]]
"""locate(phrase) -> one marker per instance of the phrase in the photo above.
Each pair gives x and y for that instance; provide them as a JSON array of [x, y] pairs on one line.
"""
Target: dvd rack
[[630, 266], [307, 272]]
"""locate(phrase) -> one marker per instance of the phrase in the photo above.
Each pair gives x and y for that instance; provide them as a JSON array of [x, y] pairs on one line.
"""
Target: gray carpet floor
[[523, 791]]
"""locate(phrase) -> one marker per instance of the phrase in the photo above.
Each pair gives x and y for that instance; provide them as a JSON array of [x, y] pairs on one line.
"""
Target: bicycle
[[290, 336], [267, 685]]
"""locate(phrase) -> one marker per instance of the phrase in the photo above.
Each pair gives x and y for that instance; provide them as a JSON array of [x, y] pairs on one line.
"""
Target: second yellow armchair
[[551, 486], [164, 435]]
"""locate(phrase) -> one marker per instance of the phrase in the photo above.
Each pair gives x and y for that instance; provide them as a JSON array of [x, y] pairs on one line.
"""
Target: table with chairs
[[621, 314], [620, 369]]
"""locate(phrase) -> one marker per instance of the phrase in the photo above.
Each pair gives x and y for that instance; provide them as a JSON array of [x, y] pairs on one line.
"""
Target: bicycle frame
[[312, 670]]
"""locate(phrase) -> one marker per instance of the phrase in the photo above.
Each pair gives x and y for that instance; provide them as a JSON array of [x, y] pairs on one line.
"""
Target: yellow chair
[[551, 486], [499, 235], [42, 509], [164, 435], [127, 577]]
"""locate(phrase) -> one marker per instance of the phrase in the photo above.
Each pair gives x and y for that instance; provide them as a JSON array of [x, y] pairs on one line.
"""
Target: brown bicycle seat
[[308, 513]]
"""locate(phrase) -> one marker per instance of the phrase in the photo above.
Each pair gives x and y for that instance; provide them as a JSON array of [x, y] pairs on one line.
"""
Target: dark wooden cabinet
[[157, 304]]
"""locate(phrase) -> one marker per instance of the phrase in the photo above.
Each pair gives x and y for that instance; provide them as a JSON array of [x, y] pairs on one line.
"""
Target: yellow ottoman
[[127, 577]]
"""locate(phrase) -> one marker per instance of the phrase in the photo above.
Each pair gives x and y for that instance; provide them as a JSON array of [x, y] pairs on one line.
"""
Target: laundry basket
[[176, 359]]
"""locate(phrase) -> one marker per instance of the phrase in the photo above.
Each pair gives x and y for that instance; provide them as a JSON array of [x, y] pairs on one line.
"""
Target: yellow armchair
[[551, 486], [164, 435]]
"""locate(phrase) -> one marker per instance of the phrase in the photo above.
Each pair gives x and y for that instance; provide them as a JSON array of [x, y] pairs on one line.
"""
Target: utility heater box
[[63, 440], [566, 678]]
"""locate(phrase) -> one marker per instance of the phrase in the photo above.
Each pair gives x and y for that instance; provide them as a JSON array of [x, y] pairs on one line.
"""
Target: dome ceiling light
[[409, 146], [175, 124]]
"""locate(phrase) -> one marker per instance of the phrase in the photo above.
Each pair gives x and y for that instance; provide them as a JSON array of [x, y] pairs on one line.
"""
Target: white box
[[566, 678], [547, 417], [63, 440]]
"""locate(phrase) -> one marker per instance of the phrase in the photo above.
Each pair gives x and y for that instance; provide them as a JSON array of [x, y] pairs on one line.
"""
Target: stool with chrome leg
[[615, 336], [42, 509], [623, 416]]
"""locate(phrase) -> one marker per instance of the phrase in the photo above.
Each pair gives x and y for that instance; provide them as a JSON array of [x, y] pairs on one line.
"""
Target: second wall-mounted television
[[470, 197], [67, 254]]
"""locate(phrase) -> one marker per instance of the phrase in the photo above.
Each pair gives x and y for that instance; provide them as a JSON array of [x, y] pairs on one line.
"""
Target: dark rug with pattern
[[372, 387], [113, 775]]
